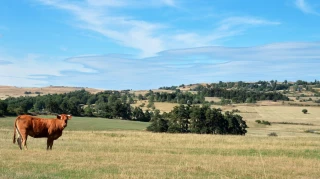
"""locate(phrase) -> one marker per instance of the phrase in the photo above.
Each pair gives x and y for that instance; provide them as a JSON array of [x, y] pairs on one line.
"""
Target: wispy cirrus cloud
[[34, 70], [305, 7], [149, 37], [290, 61]]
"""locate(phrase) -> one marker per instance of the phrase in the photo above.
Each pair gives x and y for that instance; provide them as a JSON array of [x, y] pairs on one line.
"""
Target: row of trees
[[260, 85], [200, 120], [115, 104], [234, 95]]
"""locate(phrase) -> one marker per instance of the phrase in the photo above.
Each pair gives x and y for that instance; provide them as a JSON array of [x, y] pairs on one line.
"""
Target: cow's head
[[64, 118]]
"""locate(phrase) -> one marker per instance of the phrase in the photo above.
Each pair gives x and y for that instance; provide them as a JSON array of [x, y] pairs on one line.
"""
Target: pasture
[[106, 148]]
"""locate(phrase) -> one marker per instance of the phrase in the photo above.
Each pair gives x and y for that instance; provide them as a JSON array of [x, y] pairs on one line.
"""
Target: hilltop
[[13, 91]]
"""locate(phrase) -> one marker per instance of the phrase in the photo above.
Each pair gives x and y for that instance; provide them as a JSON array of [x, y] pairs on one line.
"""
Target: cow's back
[[34, 126]]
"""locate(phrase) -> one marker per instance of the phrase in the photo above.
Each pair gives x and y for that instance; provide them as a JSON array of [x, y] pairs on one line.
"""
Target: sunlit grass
[[140, 154], [108, 148]]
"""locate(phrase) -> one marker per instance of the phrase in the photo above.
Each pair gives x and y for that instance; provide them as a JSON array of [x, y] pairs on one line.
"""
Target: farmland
[[97, 147], [107, 148]]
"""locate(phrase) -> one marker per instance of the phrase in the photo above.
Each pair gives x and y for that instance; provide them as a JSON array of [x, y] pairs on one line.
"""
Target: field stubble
[[140, 154], [124, 150]]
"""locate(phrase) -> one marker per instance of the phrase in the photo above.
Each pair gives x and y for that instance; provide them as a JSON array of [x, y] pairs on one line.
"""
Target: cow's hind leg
[[19, 139], [49, 144], [19, 143], [24, 137]]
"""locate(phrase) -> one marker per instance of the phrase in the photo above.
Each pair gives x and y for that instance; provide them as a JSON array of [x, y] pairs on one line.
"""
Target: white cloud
[[280, 61], [169, 2], [108, 3], [292, 61], [33, 70], [305, 7], [149, 37]]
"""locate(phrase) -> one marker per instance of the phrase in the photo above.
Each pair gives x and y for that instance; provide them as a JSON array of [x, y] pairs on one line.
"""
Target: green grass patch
[[88, 124]]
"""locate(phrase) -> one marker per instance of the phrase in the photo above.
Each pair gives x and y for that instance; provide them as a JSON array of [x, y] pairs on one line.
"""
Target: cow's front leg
[[49, 143]]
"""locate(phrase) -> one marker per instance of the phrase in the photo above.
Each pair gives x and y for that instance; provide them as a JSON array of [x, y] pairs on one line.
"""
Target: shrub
[[263, 122], [272, 134], [235, 110], [305, 111], [266, 122]]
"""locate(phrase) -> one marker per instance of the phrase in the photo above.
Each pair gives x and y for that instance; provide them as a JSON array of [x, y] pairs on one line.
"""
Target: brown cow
[[37, 127]]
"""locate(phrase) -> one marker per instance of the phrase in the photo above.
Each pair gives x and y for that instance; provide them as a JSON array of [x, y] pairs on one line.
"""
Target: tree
[[53, 107], [236, 125], [180, 119], [197, 120], [124, 98], [3, 108], [158, 124], [88, 111], [215, 122], [305, 111], [140, 97], [131, 101], [138, 115]]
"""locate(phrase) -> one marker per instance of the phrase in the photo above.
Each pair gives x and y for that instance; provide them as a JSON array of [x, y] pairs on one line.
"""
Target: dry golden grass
[[268, 111], [143, 92], [280, 114], [214, 99], [163, 107], [132, 154], [7, 91]]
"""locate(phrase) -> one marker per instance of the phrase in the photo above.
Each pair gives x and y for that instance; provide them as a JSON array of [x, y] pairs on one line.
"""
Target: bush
[[235, 110], [273, 134], [266, 122], [305, 111], [263, 122]]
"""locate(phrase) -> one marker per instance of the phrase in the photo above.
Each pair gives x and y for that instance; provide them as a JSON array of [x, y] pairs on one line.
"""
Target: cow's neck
[[57, 124]]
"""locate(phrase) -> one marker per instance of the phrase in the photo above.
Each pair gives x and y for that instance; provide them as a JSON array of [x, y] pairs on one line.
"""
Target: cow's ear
[[58, 116], [69, 116]]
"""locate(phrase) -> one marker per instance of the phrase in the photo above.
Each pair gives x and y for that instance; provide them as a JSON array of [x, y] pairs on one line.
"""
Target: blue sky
[[140, 44]]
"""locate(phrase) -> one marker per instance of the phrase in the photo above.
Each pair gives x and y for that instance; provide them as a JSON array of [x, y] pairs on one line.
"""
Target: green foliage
[[263, 122], [3, 108], [179, 122], [27, 92], [138, 115], [272, 134], [169, 88], [203, 120], [258, 121], [235, 110], [305, 111], [158, 124]]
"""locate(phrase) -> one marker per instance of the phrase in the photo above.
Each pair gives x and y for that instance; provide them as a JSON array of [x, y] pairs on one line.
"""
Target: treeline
[[200, 120], [115, 104], [272, 85], [108, 104], [242, 96], [233, 95], [175, 97]]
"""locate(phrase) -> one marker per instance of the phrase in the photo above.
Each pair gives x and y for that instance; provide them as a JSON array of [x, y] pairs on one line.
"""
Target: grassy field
[[107, 148], [88, 124]]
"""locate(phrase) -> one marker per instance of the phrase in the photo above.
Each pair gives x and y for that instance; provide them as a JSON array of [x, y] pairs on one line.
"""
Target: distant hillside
[[13, 91]]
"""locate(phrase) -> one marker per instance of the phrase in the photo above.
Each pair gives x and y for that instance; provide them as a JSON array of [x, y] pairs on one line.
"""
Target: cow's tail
[[15, 130]]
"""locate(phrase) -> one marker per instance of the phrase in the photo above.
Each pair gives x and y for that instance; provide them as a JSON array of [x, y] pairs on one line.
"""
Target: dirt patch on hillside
[[12, 91]]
